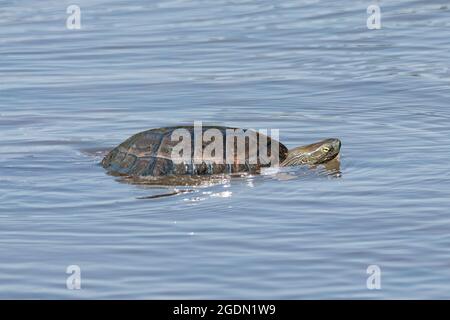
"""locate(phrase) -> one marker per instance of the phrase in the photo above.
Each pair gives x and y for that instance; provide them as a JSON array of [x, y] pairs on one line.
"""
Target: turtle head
[[312, 154]]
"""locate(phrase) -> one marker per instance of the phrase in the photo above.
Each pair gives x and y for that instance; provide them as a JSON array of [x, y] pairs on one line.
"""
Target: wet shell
[[149, 153]]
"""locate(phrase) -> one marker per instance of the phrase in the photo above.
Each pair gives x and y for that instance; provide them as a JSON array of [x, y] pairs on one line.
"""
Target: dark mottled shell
[[148, 153]]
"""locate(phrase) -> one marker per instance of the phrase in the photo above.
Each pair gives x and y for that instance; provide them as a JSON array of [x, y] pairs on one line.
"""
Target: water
[[309, 68]]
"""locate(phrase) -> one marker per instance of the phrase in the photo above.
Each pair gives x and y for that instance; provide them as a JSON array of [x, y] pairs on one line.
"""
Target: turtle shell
[[148, 153]]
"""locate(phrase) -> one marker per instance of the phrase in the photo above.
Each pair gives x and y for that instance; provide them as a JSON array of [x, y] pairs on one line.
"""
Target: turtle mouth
[[327, 158]]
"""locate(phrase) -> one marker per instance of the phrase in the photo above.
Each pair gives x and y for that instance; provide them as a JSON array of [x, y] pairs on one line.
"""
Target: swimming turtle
[[149, 154]]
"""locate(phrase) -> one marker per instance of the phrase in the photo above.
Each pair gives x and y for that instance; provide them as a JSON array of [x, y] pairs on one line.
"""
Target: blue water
[[309, 68]]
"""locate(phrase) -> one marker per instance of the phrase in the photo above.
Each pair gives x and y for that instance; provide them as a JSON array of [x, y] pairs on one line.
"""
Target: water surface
[[309, 68]]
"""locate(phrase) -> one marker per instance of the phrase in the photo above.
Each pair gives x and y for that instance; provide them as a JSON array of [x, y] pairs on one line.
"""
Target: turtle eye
[[325, 149]]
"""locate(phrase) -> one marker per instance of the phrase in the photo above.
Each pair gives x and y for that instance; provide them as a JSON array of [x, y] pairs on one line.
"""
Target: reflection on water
[[311, 69], [330, 169]]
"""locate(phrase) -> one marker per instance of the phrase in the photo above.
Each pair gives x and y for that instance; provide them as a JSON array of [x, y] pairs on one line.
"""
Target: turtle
[[149, 154]]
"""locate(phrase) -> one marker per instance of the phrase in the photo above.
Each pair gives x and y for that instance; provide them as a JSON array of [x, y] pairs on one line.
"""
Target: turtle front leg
[[162, 195]]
